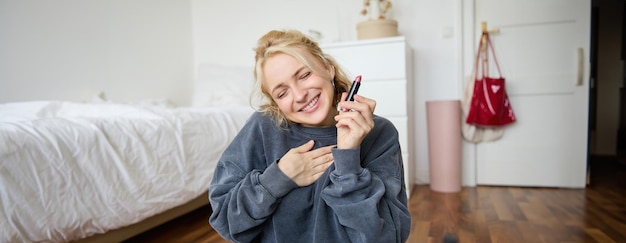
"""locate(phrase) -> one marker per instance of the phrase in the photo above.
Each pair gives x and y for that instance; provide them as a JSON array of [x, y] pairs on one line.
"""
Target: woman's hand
[[303, 165], [355, 121]]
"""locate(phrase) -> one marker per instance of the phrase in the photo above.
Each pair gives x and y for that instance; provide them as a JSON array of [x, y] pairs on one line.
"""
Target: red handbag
[[490, 105]]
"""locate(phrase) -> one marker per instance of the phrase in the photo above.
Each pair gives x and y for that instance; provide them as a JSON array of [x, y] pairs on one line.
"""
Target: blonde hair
[[303, 49]]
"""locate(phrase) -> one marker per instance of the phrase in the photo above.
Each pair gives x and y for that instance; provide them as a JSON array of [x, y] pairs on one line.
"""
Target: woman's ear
[[331, 71]]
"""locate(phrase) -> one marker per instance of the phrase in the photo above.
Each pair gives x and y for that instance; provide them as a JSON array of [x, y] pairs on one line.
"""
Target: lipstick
[[355, 87]]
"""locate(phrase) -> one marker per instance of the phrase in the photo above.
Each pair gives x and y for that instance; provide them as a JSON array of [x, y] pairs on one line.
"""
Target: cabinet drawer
[[382, 61], [390, 96]]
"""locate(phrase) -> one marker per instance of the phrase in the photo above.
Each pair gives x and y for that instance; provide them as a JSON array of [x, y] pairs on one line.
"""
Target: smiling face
[[301, 95]]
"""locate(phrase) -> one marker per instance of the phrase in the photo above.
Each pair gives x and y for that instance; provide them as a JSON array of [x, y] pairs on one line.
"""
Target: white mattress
[[71, 170]]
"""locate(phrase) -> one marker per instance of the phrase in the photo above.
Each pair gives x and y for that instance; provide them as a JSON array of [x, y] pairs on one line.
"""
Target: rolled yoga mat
[[444, 144]]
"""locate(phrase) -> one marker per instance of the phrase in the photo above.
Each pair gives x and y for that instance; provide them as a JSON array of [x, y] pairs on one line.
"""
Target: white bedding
[[71, 170]]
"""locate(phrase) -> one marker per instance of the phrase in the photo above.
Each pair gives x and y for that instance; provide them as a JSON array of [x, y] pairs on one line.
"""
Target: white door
[[543, 51]]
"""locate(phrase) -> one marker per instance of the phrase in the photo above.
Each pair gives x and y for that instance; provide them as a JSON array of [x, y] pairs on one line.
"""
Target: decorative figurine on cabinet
[[378, 24], [378, 9]]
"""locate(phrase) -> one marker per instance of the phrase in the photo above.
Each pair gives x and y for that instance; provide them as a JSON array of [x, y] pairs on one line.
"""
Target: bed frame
[[128, 232]]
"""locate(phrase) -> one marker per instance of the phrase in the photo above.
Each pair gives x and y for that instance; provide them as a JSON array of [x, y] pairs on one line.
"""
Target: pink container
[[444, 144]]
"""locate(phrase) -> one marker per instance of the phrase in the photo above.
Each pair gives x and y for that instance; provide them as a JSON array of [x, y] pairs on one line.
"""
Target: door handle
[[581, 67]]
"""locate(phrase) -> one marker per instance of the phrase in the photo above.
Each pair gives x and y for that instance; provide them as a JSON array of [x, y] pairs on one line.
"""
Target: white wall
[[226, 33], [72, 49], [437, 62]]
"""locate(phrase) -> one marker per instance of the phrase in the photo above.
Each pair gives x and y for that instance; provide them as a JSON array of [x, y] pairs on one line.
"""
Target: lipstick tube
[[355, 87]]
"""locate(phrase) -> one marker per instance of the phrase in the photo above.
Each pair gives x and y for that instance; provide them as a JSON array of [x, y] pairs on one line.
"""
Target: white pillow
[[222, 85]]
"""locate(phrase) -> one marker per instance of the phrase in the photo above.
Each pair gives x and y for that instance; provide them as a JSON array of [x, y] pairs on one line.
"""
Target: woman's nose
[[299, 94]]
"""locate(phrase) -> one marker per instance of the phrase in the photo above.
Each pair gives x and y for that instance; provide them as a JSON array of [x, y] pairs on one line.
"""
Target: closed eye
[[304, 75], [281, 93]]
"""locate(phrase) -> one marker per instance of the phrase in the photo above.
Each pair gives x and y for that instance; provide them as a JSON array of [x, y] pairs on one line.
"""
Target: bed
[[106, 171]]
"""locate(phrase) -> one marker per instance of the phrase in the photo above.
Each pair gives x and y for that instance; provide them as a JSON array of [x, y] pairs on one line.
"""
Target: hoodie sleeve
[[367, 192], [243, 193]]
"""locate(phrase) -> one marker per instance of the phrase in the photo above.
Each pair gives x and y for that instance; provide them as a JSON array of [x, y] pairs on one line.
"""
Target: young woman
[[309, 166]]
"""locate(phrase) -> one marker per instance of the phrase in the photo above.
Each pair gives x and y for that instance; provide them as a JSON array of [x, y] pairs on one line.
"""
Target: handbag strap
[[487, 41]]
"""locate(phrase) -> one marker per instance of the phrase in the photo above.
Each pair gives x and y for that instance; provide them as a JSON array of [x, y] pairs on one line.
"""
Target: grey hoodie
[[360, 198]]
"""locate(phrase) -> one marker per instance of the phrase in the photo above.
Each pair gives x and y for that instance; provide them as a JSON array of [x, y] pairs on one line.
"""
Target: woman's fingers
[[361, 104], [354, 121], [321, 156], [370, 102]]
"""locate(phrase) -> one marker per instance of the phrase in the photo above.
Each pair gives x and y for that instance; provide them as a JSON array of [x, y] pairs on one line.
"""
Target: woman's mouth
[[311, 104]]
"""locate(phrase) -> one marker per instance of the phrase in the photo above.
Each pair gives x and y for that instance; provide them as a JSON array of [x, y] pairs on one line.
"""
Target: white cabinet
[[385, 66]]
